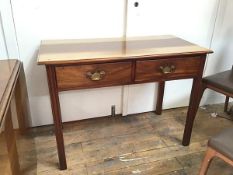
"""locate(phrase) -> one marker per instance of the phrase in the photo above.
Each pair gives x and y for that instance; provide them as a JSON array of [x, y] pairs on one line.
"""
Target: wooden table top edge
[[50, 59], [115, 59]]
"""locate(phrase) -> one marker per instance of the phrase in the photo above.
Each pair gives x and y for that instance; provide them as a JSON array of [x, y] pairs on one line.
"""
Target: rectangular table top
[[85, 50], [8, 75]]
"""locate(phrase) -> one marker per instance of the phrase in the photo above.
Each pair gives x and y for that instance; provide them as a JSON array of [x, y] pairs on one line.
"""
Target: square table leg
[[198, 89], [55, 104], [160, 95], [195, 99]]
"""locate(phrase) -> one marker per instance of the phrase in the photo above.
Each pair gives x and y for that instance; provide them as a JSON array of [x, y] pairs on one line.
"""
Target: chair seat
[[223, 143], [223, 81]]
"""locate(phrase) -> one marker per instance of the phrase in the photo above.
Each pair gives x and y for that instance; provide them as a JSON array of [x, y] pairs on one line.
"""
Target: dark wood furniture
[[12, 85], [81, 64], [219, 146], [222, 83]]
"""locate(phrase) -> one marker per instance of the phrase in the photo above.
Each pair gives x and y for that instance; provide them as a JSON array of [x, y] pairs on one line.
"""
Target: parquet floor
[[137, 144]]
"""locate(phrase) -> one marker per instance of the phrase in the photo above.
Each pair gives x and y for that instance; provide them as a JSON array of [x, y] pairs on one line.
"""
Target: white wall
[[8, 41], [222, 45], [3, 49], [192, 20], [36, 20]]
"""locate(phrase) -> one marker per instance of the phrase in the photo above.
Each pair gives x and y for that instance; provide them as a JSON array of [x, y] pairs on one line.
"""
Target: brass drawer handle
[[167, 69], [96, 76]]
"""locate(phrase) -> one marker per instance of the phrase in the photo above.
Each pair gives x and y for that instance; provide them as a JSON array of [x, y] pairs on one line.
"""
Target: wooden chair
[[221, 82], [219, 146]]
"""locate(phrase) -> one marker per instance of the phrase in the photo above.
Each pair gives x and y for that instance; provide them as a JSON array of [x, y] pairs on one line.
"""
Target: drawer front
[[165, 69], [95, 75]]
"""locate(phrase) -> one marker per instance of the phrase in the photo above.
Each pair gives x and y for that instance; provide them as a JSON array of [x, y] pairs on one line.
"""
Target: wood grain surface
[[78, 51], [151, 69], [11, 145], [81, 64], [12, 85], [145, 144], [8, 77], [75, 77]]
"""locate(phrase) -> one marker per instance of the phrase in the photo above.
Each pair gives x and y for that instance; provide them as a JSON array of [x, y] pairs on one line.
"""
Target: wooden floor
[[136, 144]]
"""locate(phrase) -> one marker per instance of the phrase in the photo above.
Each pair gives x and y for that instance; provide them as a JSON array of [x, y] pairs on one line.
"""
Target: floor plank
[[137, 144]]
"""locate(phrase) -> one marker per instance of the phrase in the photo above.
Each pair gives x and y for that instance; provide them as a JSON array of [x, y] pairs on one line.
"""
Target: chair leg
[[210, 154], [226, 104]]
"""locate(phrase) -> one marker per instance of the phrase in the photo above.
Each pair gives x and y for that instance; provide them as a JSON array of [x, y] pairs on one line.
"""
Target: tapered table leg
[[196, 94], [160, 95], [55, 104]]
